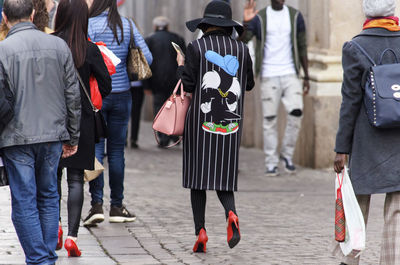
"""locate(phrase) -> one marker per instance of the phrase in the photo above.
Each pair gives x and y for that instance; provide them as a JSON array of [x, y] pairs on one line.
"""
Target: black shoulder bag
[[100, 126]]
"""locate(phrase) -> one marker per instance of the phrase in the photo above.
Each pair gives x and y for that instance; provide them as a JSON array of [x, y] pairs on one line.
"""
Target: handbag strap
[[86, 92], [132, 43], [363, 51], [168, 146], [176, 89]]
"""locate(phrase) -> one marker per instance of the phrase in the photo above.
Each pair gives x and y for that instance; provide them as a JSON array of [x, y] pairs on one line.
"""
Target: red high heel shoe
[[200, 245], [60, 238], [72, 248], [233, 230]]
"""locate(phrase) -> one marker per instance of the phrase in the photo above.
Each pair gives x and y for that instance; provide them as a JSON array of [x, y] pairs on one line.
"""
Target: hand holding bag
[[170, 120], [136, 63], [355, 225]]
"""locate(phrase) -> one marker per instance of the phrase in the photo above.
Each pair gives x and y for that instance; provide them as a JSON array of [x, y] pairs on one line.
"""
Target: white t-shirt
[[278, 59]]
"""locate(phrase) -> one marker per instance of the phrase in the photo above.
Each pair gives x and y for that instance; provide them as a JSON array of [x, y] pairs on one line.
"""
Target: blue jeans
[[32, 173], [116, 111]]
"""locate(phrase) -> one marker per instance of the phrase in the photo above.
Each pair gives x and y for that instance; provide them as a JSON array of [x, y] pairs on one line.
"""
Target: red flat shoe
[[200, 245], [60, 238], [233, 230], [72, 248]]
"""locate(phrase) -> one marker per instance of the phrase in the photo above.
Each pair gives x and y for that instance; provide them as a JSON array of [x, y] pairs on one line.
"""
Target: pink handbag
[[170, 120]]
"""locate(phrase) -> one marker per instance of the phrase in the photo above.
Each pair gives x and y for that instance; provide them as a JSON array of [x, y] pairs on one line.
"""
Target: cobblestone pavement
[[283, 220]]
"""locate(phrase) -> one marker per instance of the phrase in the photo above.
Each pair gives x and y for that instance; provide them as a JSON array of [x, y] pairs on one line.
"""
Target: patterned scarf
[[389, 23]]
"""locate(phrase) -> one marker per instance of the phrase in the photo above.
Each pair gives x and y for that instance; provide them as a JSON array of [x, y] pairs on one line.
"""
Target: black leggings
[[198, 198], [75, 198]]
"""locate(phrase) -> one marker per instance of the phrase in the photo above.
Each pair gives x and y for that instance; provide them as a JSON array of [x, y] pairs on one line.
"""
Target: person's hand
[[249, 10], [306, 86], [339, 162], [180, 59], [69, 150]]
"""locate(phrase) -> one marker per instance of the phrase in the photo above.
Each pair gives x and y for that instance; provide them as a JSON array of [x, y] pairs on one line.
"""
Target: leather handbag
[[90, 175], [170, 120], [382, 91], [136, 63], [100, 125]]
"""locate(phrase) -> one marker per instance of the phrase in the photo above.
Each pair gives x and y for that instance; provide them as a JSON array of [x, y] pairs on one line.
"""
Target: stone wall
[[329, 25]]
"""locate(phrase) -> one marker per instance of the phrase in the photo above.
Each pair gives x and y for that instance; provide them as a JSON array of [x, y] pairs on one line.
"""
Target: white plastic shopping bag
[[355, 226]]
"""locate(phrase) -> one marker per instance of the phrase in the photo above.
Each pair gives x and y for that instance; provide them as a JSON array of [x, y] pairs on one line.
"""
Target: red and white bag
[[355, 225], [111, 61]]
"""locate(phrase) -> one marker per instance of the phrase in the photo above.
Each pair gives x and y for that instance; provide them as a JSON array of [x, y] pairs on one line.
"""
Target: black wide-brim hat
[[217, 13]]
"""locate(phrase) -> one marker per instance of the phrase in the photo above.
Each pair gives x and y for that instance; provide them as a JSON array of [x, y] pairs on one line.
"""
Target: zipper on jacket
[[296, 49]]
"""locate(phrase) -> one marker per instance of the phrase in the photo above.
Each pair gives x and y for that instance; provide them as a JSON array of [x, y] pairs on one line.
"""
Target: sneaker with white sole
[[120, 215], [272, 172], [289, 166], [95, 216]]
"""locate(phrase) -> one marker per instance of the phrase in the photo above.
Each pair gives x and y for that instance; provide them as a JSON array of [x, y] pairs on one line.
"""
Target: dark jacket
[[257, 27], [94, 65], [41, 74], [374, 153], [6, 105], [164, 63]]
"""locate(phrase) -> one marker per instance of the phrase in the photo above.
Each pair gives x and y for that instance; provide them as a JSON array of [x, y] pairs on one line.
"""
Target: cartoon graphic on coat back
[[221, 92]]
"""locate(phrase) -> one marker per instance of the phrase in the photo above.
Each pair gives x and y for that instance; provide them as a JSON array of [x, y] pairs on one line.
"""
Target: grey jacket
[[374, 153], [41, 74]]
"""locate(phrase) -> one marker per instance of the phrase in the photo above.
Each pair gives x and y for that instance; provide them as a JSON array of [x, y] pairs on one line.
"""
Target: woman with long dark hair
[[71, 25], [106, 25]]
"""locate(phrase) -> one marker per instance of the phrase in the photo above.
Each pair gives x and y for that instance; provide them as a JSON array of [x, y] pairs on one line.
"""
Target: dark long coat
[[94, 64], [374, 153], [218, 71], [164, 65]]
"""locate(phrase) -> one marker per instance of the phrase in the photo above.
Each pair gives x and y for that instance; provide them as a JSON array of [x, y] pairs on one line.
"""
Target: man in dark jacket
[[164, 66], [40, 72], [281, 50]]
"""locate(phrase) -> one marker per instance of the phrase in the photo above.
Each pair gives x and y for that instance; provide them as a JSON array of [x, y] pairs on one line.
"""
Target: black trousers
[[198, 199], [75, 198], [137, 103]]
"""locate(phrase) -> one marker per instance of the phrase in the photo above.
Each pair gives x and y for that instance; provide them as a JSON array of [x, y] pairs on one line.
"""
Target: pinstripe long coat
[[218, 71]]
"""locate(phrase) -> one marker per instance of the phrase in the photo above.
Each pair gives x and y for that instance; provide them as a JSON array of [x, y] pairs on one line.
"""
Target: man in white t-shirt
[[281, 50]]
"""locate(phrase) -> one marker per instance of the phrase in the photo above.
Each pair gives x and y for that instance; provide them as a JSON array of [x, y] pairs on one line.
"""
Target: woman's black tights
[[75, 198], [198, 199]]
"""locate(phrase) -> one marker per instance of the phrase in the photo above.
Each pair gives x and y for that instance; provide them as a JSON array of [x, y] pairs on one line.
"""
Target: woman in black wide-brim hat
[[218, 70]]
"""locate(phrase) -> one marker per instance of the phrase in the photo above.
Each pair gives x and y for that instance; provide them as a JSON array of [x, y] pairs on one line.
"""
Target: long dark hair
[[41, 18], [114, 19], [72, 25]]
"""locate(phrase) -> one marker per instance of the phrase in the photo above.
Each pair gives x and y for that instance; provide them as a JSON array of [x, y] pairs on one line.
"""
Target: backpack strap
[[363, 51]]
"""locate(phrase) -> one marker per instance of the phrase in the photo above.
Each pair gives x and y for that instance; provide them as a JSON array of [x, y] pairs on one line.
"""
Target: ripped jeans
[[288, 89]]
